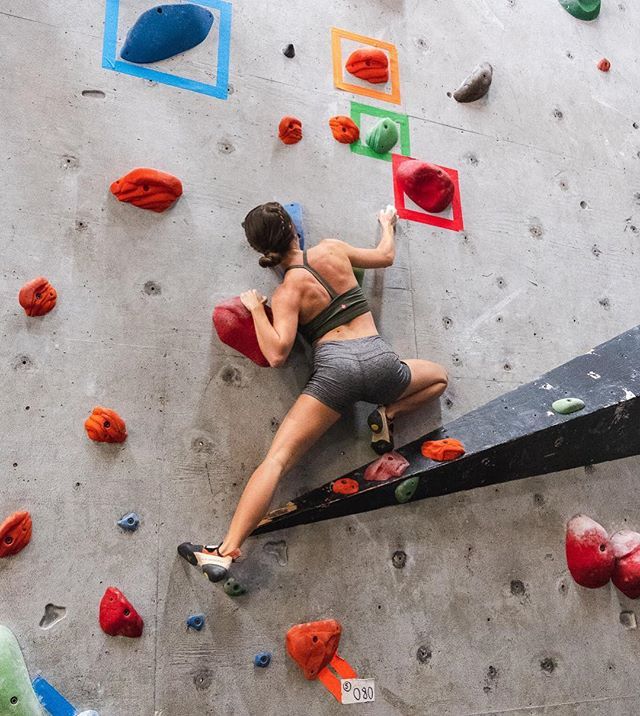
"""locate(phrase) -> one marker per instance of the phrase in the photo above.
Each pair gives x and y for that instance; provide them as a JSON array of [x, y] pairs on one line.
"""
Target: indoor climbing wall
[[458, 604]]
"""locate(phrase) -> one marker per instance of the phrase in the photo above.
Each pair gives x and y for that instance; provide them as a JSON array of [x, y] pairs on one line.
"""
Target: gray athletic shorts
[[366, 369]]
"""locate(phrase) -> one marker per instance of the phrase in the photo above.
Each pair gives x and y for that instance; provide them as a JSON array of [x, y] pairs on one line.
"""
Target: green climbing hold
[[383, 136], [406, 489], [16, 693], [564, 406], [359, 274], [233, 588], [582, 9]]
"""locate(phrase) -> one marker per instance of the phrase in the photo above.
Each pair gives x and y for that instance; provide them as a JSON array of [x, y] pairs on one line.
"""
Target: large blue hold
[[165, 31]]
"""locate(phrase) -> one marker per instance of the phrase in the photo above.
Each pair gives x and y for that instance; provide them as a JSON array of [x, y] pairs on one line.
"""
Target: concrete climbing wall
[[546, 268]]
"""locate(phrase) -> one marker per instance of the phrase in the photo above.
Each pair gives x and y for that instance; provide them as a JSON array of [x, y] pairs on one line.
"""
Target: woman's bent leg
[[428, 381]]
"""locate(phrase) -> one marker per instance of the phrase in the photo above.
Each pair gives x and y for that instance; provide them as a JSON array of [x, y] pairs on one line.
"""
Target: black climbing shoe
[[207, 557], [381, 431]]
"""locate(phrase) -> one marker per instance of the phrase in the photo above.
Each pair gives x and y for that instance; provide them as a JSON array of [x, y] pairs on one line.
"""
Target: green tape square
[[402, 120]]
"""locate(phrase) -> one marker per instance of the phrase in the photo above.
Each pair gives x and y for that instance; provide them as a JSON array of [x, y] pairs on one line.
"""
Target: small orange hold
[[313, 645], [345, 486], [148, 189], [37, 297], [290, 130], [369, 64], [15, 533], [105, 426], [604, 65], [442, 450], [344, 129]]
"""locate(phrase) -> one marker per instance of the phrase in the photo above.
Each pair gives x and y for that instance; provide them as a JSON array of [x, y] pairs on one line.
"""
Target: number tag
[[358, 691]]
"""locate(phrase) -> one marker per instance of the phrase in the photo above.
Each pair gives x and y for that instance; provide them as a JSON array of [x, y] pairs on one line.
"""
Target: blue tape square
[[220, 89]]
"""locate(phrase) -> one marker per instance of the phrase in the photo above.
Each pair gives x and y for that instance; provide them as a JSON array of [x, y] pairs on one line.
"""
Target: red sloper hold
[[389, 465], [37, 297], [290, 130], [626, 573], [590, 556], [15, 533], [430, 187], [148, 189], [118, 616], [604, 65], [313, 645], [369, 64], [442, 450], [234, 325]]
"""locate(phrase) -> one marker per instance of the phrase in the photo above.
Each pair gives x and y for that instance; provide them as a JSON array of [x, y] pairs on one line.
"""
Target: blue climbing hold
[[262, 659], [129, 522], [195, 621], [295, 212], [166, 30]]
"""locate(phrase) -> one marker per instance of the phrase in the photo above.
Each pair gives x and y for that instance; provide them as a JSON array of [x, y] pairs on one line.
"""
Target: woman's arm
[[275, 341], [384, 253]]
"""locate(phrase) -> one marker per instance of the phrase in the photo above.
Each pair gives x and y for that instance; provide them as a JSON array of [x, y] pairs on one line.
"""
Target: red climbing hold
[[626, 573], [590, 556], [37, 297], [442, 450], [290, 130], [105, 426], [344, 129], [15, 533], [313, 645], [148, 189], [234, 326], [118, 616], [429, 186], [345, 486], [389, 465], [604, 65], [369, 64]]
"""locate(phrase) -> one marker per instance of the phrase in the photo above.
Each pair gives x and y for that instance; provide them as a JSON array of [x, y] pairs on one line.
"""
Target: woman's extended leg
[[428, 381]]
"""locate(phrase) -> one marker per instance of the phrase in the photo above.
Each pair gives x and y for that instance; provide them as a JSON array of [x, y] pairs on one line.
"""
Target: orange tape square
[[337, 35]]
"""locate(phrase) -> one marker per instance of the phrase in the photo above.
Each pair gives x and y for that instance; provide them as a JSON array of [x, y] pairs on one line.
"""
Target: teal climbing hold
[[17, 697], [582, 9], [565, 406], [406, 489], [383, 136], [233, 588]]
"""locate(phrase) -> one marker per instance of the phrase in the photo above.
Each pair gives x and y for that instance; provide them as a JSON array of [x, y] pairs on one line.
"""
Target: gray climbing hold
[[278, 550], [233, 588], [565, 406], [476, 85], [289, 51], [129, 522]]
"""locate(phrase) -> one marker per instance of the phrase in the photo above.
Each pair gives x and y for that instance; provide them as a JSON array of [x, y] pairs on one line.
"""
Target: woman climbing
[[320, 298]]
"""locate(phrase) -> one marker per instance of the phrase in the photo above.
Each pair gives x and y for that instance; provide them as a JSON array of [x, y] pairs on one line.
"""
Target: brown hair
[[270, 231]]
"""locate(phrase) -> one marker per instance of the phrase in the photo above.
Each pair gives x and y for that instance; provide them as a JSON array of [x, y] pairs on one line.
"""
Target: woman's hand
[[388, 216], [252, 299]]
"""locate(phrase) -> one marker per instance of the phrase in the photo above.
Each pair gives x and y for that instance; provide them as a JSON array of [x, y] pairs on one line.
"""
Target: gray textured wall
[[533, 280]]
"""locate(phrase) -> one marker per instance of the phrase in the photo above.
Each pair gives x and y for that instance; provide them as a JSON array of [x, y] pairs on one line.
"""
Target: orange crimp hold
[[148, 189], [290, 130], [15, 533], [369, 64], [37, 297], [313, 645], [105, 426], [344, 129], [345, 486], [442, 450]]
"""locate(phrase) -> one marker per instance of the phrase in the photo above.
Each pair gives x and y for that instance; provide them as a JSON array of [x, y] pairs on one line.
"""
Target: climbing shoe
[[381, 431], [207, 557]]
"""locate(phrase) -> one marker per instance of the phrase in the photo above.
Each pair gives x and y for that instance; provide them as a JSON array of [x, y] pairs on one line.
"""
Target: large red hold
[[369, 64], [429, 186], [626, 574], [105, 426], [118, 616], [590, 555], [290, 130], [234, 325], [391, 464], [148, 189], [313, 645], [37, 297], [15, 533]]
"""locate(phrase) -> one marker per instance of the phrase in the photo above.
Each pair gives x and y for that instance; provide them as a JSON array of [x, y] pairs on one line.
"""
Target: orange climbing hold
[[148, 189], [15, 533], [442, 450], [344, 129], [604, 65], [105, 426], [345, 486], [369, 64], [290, 130], [313, 645], [37, 297]]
